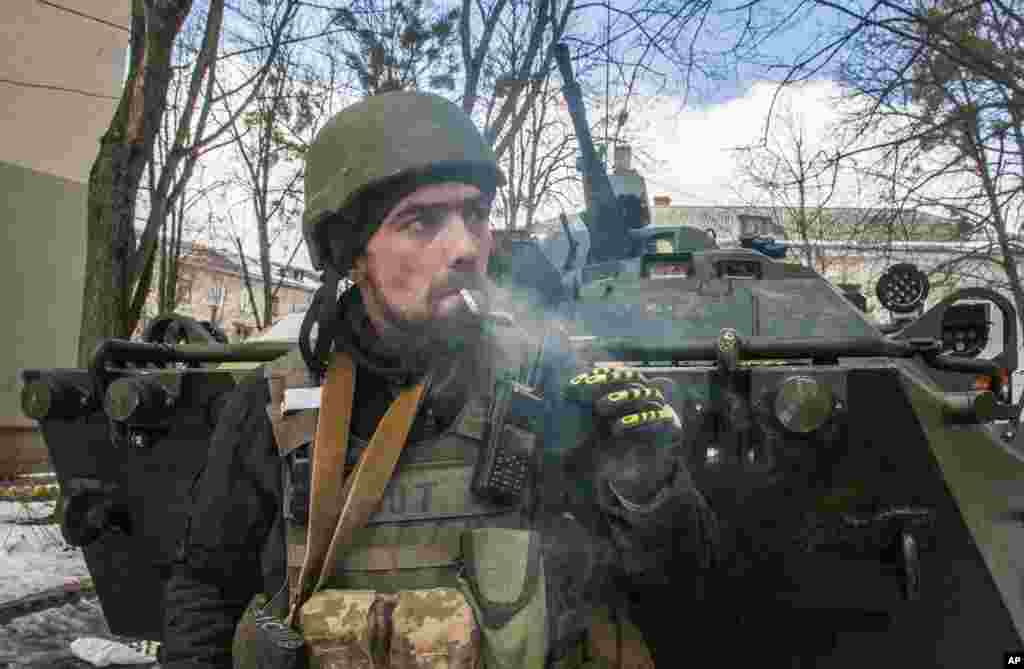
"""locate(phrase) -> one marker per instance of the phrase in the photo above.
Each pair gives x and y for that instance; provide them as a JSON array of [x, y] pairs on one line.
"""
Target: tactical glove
[[633, 430]]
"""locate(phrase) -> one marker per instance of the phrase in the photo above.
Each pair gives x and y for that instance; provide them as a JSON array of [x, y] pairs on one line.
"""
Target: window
[[184, 290], [215, 295]]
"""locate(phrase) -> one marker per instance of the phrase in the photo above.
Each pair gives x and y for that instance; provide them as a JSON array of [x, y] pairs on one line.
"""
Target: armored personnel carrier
[[869, 515], [864, 506], [869, 492]]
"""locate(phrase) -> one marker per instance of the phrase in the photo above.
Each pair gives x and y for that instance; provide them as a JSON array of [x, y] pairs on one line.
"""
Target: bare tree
[[270, 141], [539, 164], [513, 85], [193, 137], [183, 225], [634, 50], [939, 87], [111, 255], [401, 45], [120, 264], [796, 179]]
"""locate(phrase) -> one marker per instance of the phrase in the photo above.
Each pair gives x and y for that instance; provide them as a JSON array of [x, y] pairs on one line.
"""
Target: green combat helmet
[[381, 138]]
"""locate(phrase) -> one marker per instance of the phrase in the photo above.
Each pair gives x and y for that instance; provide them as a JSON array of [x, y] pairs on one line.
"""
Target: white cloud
[[692, 150]]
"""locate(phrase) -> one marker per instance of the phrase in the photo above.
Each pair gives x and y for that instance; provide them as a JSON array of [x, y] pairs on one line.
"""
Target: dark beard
[[458, 331], [457, 369]]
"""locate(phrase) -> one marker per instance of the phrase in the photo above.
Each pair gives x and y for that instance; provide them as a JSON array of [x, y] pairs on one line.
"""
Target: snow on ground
[[34, 557], [42, 640]]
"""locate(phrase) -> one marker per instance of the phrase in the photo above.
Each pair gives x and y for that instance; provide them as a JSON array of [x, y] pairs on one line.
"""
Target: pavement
[[42, 640], [34, 560]]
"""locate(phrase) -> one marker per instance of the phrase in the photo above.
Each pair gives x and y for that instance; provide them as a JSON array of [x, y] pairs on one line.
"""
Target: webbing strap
[[363, 490], [329, 447], [367, 482]]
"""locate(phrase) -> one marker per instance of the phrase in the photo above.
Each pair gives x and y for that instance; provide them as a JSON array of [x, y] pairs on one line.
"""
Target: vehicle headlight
[[802, 404]]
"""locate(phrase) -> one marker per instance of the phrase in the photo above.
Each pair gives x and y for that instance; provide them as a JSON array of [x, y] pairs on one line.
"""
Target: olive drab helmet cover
[[383, 137]]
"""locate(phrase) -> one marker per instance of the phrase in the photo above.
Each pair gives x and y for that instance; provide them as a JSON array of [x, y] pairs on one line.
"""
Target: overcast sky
[[686, 153], [693, 149], [684, 148]]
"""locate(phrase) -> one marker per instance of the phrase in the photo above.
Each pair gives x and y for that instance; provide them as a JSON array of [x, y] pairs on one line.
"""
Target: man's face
[[435, 241]]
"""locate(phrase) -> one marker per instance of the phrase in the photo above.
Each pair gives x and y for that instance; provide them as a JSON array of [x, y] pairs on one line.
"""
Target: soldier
[[486, 547]]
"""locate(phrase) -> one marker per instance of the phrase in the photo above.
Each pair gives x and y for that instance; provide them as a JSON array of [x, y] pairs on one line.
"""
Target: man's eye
[[421, 221], [476, 213]]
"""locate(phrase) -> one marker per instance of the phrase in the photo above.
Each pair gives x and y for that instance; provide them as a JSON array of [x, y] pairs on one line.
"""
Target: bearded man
[[415, 509]]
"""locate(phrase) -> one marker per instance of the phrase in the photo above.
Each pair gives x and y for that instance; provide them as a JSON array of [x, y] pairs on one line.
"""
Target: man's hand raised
[[634, 430]]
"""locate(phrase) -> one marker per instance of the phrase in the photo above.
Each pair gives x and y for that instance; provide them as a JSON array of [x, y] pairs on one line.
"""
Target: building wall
[[41, 269], [201, 282], [725, 222], [60, 76]]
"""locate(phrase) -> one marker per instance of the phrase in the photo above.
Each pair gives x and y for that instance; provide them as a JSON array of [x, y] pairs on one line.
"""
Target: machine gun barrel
[[574, 101], [607, 230], [123, 351], [706, 348], [753, 348]]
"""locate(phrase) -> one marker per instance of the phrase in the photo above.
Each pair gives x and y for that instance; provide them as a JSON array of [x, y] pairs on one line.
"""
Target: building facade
[[861, 242], [212, 287], [61, 74]]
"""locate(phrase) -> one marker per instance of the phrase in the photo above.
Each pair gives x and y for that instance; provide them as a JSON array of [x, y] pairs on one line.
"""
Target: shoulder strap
[[364, 488], [329, 447]]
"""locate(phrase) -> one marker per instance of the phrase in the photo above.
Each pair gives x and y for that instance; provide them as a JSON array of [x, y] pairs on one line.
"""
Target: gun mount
[[555, 259]]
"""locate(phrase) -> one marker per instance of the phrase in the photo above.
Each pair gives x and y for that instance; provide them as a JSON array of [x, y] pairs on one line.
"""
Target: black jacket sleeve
[[236, 501]]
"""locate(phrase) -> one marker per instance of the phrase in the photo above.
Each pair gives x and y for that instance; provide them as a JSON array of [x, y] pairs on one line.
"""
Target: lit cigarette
[[474, 308], [471, 304]]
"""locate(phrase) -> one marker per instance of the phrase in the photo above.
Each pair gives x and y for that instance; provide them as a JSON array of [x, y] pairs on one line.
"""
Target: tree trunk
[[145, 286], [174, 261], [268, 277], [101, 304], [247, 282], [115, 176], [161, 280]]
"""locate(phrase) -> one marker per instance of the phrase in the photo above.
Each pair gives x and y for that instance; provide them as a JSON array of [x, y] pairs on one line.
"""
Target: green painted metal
[[987, 480], [41, 269]]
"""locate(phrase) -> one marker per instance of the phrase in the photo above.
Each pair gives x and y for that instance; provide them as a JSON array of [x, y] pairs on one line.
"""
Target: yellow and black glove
[[634, 429]]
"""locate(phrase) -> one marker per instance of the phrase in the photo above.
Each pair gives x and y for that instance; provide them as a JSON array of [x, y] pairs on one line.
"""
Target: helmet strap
[[324, 312]]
